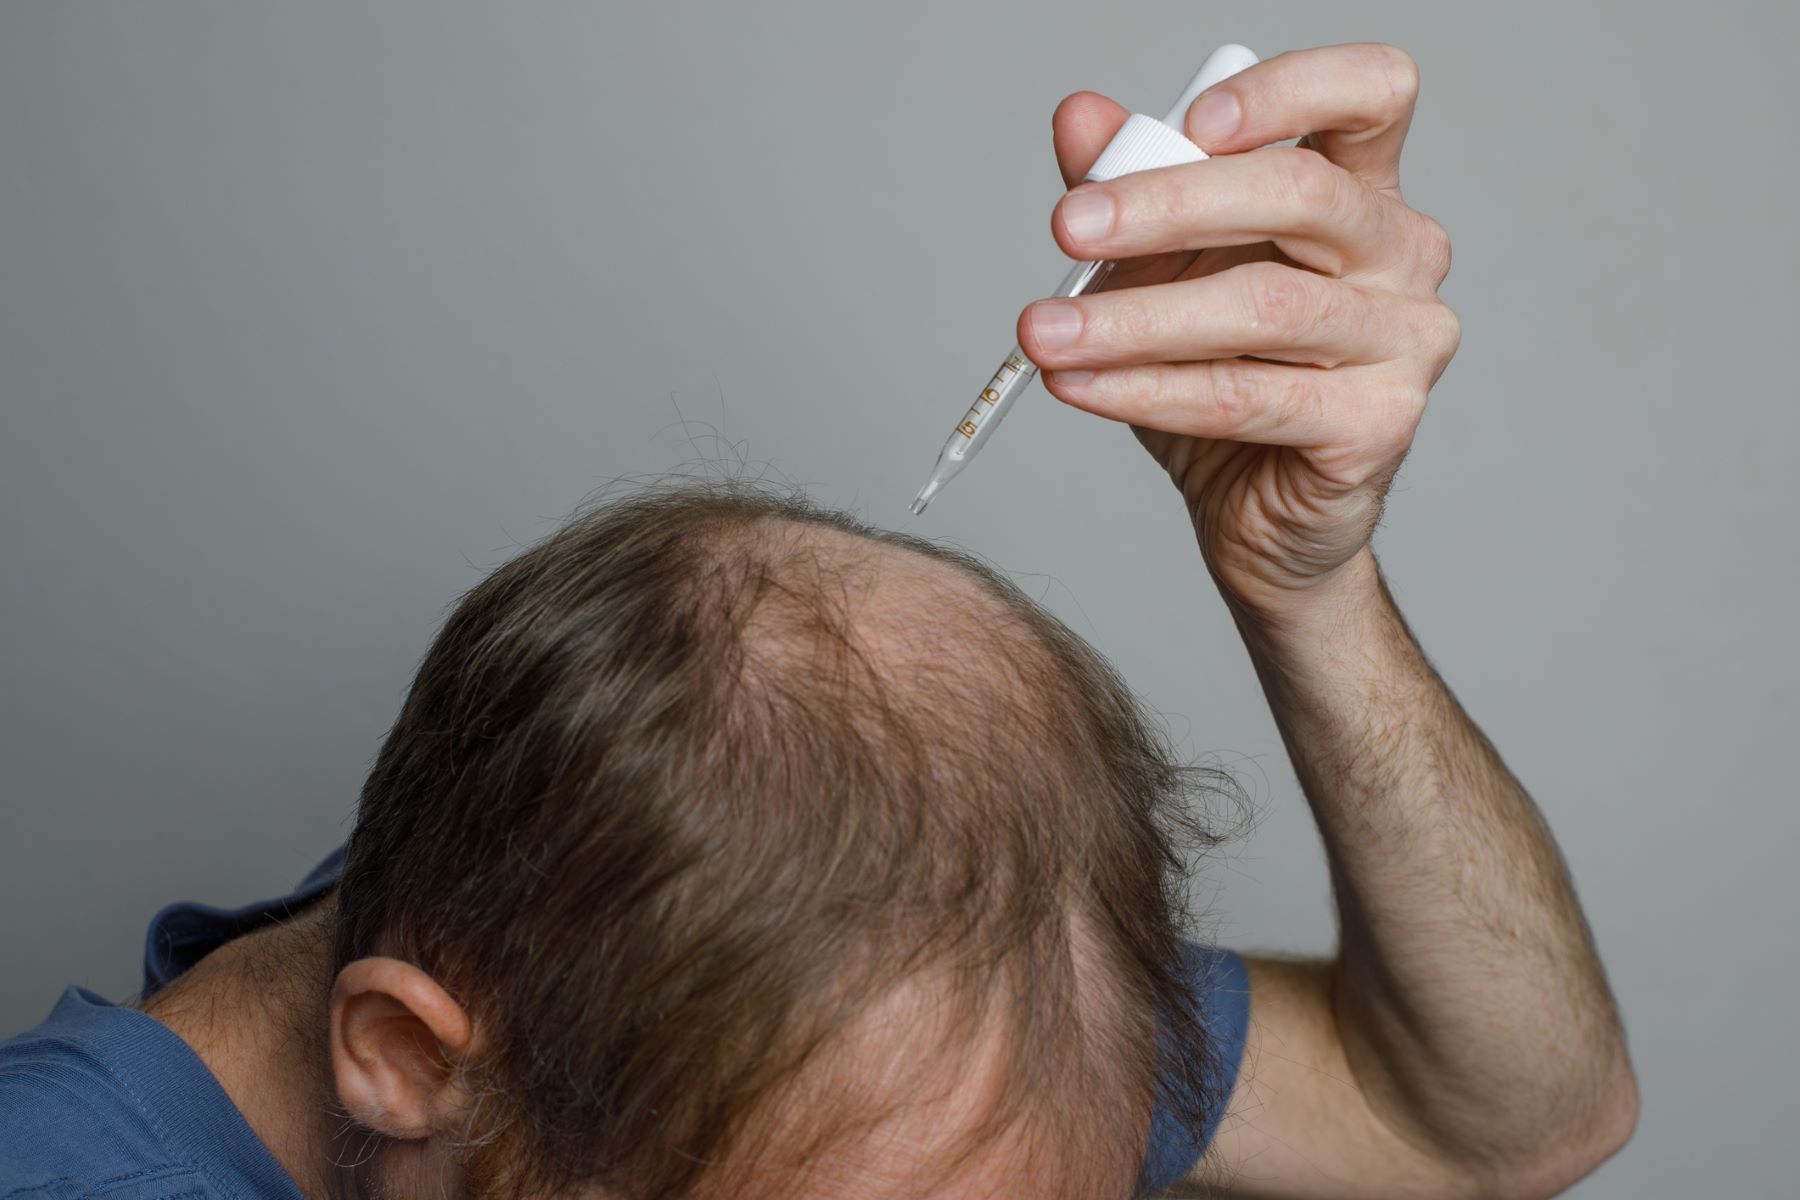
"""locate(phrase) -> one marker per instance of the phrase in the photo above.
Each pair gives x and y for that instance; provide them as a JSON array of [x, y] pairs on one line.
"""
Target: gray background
[[309, 316]]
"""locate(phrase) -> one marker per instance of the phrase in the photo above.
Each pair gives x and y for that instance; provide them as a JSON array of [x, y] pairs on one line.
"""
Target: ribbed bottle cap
[[1143, 143]]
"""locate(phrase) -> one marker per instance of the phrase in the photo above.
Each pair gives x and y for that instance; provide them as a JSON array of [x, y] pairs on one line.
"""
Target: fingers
[[1333, 350], [1353, 104], [1265, 309], [1316, 212], [1242, 400], [1080, 128]]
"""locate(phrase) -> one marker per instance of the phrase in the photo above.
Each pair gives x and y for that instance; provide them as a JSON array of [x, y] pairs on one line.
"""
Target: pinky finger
[[1236, 399]]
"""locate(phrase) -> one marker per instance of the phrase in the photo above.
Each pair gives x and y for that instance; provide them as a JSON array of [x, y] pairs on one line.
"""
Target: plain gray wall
[[311, 314]]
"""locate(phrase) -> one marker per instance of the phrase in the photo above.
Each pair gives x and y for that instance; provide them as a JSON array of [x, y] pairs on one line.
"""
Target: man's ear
[[396, 1041]]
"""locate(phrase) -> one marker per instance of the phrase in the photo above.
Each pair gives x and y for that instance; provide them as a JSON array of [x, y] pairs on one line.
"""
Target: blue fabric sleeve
[[1221, 982]]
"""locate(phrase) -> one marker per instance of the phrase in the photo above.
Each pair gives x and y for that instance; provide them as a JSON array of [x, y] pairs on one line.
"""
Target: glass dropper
[[1013, 377], [1142, 142]]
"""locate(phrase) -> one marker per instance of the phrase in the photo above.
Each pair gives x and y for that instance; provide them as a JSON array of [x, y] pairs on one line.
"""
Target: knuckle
[[1236, 390], [1446, 333], [1278, 299], [1149, 210], [1308, 180], [1434, 249], [1400, 70]]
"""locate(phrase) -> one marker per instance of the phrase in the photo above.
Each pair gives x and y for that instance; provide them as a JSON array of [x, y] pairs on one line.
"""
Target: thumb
[[1082, 126]]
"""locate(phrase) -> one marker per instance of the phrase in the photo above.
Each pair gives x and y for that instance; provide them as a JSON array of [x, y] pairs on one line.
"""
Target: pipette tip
[[924, 497]]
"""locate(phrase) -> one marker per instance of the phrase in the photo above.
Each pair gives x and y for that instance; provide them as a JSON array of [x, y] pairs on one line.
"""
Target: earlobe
[[397, 1038]]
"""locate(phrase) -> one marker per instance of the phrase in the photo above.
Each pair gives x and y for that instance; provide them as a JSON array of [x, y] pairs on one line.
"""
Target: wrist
[[1315, 614]]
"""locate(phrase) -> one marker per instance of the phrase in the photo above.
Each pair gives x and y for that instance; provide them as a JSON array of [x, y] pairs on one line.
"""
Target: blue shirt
[[103, 1101]]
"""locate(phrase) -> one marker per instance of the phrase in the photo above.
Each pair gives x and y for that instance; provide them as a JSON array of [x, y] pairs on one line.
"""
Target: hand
[[1273, 329]]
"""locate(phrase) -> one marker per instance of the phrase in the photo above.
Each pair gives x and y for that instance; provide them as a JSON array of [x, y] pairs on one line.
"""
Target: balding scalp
[[689, 801]]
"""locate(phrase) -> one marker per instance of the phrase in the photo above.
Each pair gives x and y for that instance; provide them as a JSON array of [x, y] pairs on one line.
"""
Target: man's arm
[[1464, 1041], [1272, 338]]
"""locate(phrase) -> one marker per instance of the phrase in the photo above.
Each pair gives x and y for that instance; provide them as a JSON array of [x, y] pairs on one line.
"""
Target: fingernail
[[1087, 214], [1071, 378], [1055, 324], [1214, 117]]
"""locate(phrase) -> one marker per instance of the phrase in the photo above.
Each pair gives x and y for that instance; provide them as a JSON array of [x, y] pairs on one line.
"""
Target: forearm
[[1467, 993]]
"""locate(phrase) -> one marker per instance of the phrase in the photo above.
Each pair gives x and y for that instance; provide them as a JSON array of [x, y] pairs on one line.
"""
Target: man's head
[[726, 846]]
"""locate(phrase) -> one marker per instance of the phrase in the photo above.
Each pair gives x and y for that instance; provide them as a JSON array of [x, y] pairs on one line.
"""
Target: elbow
[[1574, 1147], [1614, 1121], [1624, 1116]]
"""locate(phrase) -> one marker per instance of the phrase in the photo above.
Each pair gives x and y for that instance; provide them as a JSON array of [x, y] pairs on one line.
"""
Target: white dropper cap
[[1143, 143]]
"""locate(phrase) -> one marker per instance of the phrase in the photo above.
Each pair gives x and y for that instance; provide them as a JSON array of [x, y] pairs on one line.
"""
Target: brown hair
[[673, 814]]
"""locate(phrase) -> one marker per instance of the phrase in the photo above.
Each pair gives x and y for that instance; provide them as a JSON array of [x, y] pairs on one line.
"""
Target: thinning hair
[[695, 798]]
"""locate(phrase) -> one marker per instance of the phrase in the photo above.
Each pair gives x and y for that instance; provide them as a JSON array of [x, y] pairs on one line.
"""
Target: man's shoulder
[[71, 1127], [100, 1100]]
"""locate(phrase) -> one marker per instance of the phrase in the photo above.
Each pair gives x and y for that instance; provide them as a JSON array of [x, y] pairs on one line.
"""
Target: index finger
[[1352, 103]]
